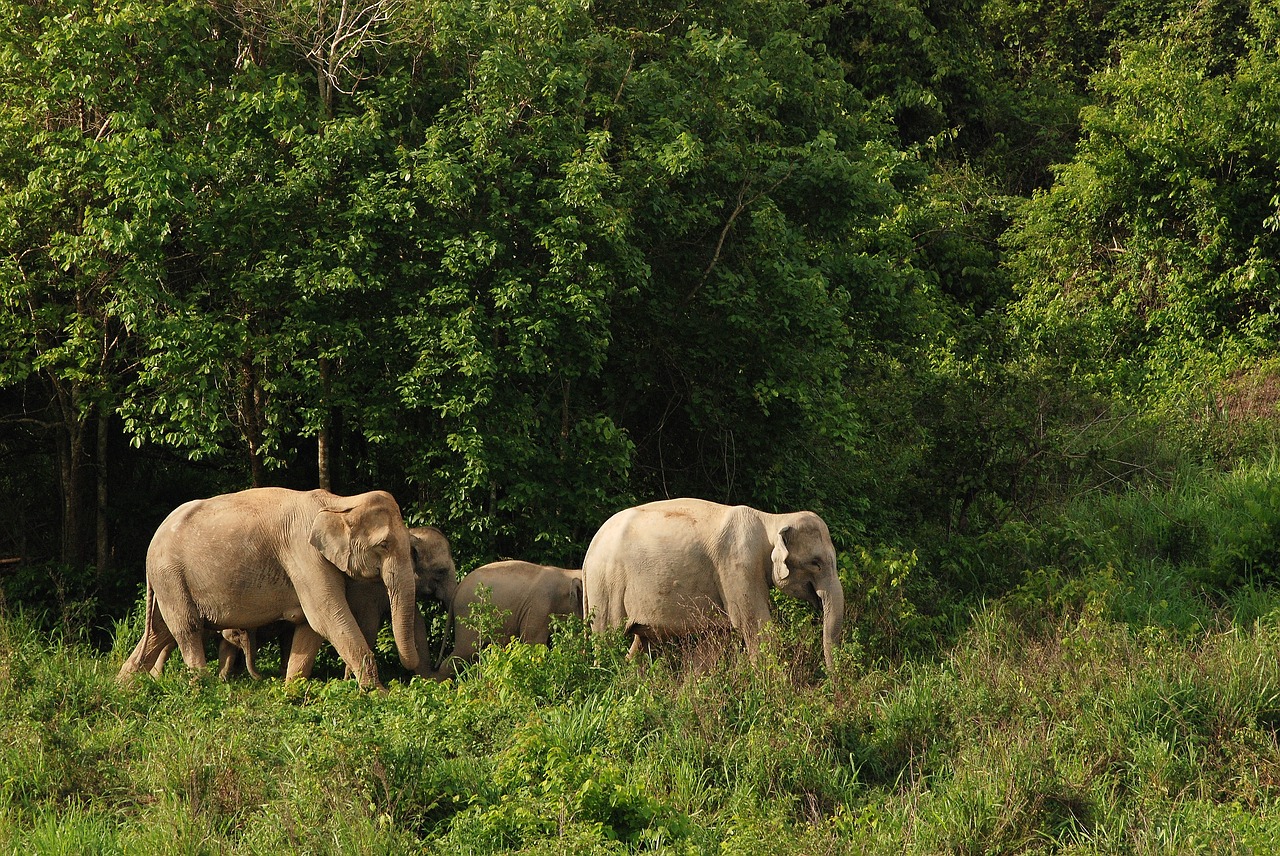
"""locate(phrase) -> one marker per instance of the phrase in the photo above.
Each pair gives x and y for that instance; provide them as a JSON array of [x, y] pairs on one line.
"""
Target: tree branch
[[738, 208]]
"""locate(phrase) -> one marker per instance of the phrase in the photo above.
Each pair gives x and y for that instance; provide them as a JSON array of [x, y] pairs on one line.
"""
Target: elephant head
[[365, 537], [804, 566], [437, 576]]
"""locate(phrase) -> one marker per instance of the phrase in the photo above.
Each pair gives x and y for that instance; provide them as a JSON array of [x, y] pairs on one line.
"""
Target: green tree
[[1149, 269], [88, 189], [762, 187]]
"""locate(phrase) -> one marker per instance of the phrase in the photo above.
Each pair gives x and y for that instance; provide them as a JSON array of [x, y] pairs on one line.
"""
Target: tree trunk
[[322, 458], [324, 437], [71, 465], [250, 422], [103, 536]]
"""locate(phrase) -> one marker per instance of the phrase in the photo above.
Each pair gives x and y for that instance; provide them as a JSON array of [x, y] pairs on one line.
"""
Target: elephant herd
[[337, 568]]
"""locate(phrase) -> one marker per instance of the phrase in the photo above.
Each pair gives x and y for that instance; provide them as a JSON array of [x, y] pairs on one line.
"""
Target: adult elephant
[[526, 596], [679, 566], [435, 577], [242, 560]]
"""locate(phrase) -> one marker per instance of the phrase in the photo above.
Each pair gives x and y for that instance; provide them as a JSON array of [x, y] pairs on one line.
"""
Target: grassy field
[[1106, 704]]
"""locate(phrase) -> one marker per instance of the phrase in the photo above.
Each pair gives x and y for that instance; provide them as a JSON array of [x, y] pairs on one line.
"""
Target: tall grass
[[1113, 703], [1088, 738]]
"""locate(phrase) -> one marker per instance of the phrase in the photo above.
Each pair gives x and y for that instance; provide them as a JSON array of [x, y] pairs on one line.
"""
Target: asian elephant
[[436, 578], [242, 560], [233, 643], [526, 595], [236, 642], [679, 566]]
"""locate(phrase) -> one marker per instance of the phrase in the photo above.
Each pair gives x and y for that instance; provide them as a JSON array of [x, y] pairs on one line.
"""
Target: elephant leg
[[155, 651], [749, 619], [191, 644], [463, 650], [228, 651], [639, 645], [448, 668], [466, 643], [152, 650], [424, 669], [302, 652], [162, 658], [365, 610], [189, 632], [325, 607]]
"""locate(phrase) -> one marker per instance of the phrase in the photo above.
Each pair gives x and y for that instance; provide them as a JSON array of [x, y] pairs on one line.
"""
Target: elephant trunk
[[445, 592], [402, 592], [832, 598]]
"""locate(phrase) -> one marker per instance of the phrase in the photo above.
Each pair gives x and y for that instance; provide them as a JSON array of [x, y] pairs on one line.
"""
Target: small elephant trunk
[[832, 598], [402, 593]]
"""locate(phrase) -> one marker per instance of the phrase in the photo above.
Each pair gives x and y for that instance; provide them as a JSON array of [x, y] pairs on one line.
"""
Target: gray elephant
[[526, 595], [436, 577], [234, 643], [679, 566], [246, 559], [237, 643]]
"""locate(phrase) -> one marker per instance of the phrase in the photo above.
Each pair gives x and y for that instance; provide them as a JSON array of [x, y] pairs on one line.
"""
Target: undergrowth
[[1123, 698]]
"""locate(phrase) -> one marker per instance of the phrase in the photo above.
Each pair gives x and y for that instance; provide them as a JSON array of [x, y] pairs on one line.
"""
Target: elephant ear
[[779, 556], [331, 535]]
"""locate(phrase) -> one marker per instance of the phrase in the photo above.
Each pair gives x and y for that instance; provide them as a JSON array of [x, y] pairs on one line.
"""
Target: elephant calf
[[234, 643], [526, 596]]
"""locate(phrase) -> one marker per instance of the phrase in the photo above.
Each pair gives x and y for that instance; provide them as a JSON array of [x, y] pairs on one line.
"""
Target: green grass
[[1121, 700], [1087, 737]]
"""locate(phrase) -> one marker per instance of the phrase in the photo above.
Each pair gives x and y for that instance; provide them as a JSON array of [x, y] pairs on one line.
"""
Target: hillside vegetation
[[990, 286]]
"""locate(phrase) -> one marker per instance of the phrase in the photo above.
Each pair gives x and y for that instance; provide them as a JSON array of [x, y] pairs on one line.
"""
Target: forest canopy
[[922, 268]]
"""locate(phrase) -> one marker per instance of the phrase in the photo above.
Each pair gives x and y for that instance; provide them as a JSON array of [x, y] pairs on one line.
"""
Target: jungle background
[[990, 285]]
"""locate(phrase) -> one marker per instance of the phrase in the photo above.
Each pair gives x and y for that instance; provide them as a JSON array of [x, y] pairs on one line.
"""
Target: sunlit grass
[[1110, 704]]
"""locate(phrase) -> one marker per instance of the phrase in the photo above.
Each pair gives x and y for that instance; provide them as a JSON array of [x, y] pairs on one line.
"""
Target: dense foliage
[[991, 285], [524, 265]]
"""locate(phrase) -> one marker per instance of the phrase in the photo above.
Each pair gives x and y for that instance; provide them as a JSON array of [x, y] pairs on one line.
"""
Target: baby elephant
[[235, 643], [526, 596]]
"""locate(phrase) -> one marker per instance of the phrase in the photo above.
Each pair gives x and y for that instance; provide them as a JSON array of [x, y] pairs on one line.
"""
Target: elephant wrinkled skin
[[242, 560], [526, 595], [680, 566], [436, 578]]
